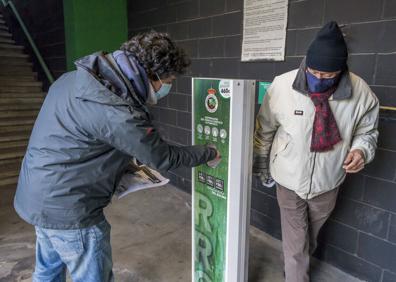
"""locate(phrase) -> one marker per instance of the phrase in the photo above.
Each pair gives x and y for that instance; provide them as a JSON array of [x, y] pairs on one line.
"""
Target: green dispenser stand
[[223, 115]]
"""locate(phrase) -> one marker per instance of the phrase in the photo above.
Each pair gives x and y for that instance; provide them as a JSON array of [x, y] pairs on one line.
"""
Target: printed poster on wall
[[264, 30]]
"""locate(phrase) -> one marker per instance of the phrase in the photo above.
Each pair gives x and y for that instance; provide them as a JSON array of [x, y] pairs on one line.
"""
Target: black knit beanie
[[328, 52]]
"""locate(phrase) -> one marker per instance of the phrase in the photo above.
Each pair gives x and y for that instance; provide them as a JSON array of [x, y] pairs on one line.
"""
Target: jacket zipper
[[313, 168]]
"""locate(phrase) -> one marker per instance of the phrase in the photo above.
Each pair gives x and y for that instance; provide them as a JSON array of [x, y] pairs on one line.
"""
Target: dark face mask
[[317, 85]]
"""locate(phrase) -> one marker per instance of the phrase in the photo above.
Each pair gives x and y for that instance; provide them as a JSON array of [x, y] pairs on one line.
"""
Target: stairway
[[21, 97]]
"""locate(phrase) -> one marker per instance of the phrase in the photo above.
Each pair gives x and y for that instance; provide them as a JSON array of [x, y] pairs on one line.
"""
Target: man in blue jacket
[[92, 122]]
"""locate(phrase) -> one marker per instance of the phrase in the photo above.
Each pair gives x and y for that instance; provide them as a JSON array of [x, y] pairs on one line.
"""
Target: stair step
[[15, 114], [12, 121], [15, 60], [10, 163], [14, 129], [2, 21], [9, 64], [3, 27], [19, 89], [7, 201], [11, 167], [13, 52], [17, 78], [13, 55], [5, 33], [16, 70], [10, 46], [7, 195], [9, 173], [7, 40], [15, 152], [21, 107], [23, 95], [13, 144], [17, 82], [6, 101], [21, 133], [8, 181]]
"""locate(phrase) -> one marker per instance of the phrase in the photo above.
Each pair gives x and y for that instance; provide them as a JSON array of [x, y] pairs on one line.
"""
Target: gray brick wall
[[360, 237]]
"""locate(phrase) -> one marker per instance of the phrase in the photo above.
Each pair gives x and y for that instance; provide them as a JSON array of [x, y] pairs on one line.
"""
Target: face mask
[[153, 96], [317, 85], [164, 90]]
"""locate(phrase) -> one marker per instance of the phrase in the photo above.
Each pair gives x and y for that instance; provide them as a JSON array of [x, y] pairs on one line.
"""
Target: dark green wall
[[93, 25]]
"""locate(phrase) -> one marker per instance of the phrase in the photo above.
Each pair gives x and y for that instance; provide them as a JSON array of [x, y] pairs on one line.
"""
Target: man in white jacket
[[316, 124]]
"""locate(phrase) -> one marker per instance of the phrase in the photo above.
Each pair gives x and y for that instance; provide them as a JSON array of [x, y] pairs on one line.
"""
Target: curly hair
[[157, 54]]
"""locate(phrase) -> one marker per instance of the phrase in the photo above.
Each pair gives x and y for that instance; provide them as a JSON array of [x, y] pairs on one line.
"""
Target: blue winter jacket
[[89, 127]]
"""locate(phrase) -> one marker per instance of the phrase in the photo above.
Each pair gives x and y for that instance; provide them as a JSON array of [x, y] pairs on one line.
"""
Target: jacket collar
[[344, 88], [99, 80], [89, 88]]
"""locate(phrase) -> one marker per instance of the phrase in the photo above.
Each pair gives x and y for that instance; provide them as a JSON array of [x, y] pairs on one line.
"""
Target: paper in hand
[[139, 177]]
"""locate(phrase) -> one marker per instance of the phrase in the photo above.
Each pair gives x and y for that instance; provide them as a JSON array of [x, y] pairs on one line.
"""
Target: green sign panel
[[263, 86], [212, 124]]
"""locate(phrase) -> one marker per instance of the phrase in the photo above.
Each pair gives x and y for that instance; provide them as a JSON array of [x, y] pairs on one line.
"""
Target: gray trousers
[[301, 222]]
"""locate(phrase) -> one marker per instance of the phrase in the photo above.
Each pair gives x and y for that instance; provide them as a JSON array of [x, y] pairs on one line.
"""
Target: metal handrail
[[29, 38], [388, 108]]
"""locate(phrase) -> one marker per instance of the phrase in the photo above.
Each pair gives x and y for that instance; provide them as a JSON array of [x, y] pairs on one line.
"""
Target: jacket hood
[[100, 79], [129, 66]]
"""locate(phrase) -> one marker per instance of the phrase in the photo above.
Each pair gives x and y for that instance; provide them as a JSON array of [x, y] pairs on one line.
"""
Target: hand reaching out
[[215, 162]]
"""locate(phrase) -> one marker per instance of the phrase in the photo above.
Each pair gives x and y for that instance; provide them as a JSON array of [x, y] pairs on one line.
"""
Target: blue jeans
[[86, 253]]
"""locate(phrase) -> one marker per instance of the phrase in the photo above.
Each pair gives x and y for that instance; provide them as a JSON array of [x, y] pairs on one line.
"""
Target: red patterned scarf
[[325, 133]]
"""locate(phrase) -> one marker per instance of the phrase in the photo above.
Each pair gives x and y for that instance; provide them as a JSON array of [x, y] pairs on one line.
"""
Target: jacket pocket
[[280, 145]]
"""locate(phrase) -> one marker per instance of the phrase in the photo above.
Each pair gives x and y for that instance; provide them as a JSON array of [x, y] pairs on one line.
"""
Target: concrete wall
[[360, 238]]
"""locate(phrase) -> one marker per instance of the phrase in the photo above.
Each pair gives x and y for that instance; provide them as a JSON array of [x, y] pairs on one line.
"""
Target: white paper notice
[[264, 30]]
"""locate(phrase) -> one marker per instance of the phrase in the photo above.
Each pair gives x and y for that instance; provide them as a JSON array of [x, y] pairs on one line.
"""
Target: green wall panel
[[93, 25]]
